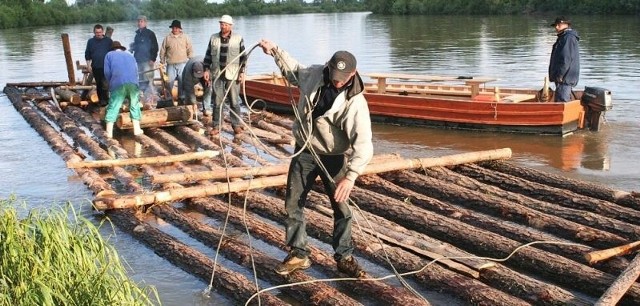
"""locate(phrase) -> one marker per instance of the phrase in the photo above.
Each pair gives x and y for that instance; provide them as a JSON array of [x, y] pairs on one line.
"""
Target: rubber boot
[[136, 128], [110, 129]]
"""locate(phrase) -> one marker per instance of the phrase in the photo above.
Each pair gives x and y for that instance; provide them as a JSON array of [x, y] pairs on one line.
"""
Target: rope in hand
[[316, 157]]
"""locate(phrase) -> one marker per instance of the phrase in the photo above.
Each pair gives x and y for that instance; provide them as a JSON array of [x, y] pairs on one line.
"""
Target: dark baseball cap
[[342, 64], [197, 69], [559, 20]]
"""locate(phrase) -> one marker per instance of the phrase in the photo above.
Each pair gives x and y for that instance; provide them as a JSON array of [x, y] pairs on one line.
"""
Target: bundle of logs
[[456, 210]]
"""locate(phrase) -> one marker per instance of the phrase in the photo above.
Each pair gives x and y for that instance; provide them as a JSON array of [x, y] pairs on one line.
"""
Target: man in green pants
[[121, 70]]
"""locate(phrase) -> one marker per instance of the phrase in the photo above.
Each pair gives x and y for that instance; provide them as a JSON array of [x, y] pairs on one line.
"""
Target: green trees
[[22, 13], [501, 7]]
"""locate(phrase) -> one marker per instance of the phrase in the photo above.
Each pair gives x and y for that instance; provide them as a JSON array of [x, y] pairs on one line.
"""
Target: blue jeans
[[303, 172], [563, 92], [174, 71]]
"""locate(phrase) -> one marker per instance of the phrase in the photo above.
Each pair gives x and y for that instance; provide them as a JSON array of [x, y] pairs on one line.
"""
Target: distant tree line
[[502, 7], [23, 13]]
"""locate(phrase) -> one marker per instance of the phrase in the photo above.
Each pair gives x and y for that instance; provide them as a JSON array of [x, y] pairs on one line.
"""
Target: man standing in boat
[[334, 141], [224, 64], [564, 66], [145, 50]]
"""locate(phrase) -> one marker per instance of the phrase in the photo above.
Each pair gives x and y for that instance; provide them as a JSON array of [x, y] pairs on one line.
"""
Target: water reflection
[[587, 150]]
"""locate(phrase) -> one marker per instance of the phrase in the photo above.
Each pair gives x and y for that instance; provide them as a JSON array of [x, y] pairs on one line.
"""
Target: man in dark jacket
[[564, 66], [97, 48], [145, 50]]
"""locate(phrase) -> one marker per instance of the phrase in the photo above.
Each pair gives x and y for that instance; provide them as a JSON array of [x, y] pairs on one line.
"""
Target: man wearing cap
[[97, 48], [145, 51], [191, 75], [333, 133], [564, 66], [121, 69], [175, 51], [224, 64]]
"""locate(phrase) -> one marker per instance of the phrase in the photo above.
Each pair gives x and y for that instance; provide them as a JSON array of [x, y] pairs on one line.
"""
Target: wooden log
[[271, 234], [308, 292], [69, 127], [66, 46], [475, 218], [92, 96], [55, 140], [141, 199], [585, 188], [411, 240], [476, 240], [36, 84], [589, 219], [595, 256], [387, 165], [551, 194], [621, 284], [144, 160], [491, 273], [156, 117], [68, 96], [453, 159], [205, 143], [497, 206], [471, 271], [218, 175], [435, 277], [189, 192], [78, 87], [232, 284]]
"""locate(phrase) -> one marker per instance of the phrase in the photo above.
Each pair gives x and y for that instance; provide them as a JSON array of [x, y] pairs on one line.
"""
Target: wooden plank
[[143, 160], [517, 98], [621, 285]]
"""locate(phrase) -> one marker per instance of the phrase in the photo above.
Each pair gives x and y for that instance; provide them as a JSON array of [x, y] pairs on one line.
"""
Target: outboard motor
[[595, 101]]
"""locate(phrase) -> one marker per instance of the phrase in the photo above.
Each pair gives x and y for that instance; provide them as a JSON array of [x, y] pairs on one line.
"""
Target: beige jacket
[[343, 129], [176, 49]]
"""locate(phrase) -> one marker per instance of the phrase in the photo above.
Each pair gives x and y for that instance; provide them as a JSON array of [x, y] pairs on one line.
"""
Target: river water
[[514, 49]]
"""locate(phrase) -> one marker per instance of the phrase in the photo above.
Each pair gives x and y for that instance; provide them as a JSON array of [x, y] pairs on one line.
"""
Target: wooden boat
[[457, 102]]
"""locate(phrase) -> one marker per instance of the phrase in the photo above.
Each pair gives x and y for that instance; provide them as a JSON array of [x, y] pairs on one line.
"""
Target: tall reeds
[[59, 258]]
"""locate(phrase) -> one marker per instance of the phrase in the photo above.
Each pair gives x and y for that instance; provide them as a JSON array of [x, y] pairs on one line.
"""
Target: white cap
[[226, 19]]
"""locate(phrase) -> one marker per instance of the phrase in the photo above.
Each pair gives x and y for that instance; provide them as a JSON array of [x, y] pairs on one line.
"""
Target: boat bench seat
[[518, 98], [422, 91]]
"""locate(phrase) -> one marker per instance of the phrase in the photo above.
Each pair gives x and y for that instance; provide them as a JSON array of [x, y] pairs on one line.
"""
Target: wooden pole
[[387, 165], [621, 284], [595, 256], [143, 160], [67, 56], [141, 199]]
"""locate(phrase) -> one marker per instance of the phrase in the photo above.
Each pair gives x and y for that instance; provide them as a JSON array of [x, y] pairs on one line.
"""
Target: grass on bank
[[59, 258]]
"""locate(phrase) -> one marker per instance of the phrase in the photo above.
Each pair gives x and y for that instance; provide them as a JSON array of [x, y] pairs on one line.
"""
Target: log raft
[[458, 210]]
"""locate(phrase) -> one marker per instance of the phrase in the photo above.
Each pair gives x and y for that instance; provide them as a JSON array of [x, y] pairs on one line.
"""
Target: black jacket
[[564, 66], [145, 46]]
